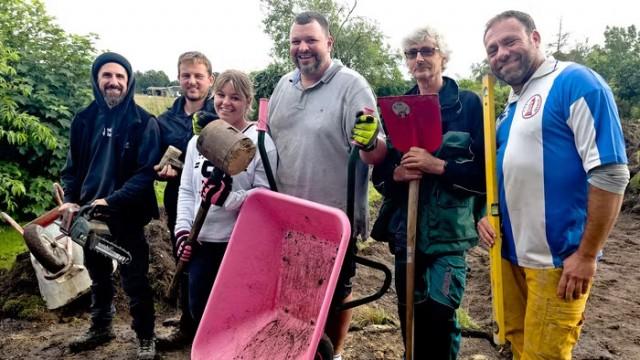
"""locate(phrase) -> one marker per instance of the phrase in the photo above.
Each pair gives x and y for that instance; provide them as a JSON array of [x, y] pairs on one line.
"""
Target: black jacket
[[112, 153], [176, 129]]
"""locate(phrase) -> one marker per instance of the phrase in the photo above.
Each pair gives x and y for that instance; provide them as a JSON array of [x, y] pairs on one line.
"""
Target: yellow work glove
[[365, 131], [200, 119]]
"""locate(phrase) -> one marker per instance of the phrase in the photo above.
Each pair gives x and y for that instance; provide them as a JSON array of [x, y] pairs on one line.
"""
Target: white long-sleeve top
[[219, 222]]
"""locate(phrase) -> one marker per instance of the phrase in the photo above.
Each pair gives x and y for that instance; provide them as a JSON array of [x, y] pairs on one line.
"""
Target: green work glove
[[200, 119], [365, 131]]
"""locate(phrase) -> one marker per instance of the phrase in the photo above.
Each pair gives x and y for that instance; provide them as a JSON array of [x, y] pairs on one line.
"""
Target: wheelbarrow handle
[[14, 224], [375, 296]]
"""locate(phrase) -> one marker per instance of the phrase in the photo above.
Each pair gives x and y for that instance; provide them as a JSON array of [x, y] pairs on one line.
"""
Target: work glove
[[365, 131], [183, 246], [200, 119], [216, 189]]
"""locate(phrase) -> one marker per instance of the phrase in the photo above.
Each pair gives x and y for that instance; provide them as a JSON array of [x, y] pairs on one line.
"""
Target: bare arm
[[579, 268], [377, 155]]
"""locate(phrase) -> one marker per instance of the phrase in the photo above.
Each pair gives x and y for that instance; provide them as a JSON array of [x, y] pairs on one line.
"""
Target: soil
[[612, 329]]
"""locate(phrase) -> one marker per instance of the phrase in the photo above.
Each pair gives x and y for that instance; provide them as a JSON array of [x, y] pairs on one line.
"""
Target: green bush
[[44, 79]]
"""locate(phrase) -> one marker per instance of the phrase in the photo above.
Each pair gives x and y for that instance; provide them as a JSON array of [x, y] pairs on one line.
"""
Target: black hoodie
[[112, 152]]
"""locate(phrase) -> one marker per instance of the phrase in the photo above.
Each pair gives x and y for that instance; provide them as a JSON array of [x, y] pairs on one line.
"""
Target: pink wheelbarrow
[[272, 294]]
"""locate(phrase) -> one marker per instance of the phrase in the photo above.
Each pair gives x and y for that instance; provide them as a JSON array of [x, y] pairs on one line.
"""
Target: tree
[[359, 43], [618, 62], [150, 78], [44, 79], [560, 42]]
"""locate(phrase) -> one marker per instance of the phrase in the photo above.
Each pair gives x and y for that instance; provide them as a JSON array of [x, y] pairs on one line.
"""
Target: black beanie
[[107, 58]]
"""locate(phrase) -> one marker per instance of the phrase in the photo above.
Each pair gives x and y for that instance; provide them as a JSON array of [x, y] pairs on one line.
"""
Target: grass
[[154, 104], [159, 188], [11, 243], [465, 320], [371, 315]]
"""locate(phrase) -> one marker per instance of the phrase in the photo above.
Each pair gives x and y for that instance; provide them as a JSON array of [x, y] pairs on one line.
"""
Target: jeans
[[203, 269]]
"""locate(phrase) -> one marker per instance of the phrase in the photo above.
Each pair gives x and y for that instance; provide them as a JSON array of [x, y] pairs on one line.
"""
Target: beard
[[195, 97], [519, 75], [113, 98], [310, 67]]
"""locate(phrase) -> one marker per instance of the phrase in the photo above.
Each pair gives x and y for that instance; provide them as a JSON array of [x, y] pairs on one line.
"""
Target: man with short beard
[[176, 129], [562, 173], [114, 144], [315, 119]]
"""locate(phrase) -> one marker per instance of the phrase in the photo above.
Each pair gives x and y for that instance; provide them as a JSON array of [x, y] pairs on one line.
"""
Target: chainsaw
[[86, 226]]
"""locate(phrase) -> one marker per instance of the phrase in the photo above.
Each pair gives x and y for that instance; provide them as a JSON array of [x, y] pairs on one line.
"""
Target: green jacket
[[450, 204]]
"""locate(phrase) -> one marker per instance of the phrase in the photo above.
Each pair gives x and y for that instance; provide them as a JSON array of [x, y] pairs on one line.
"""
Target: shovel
[[412, 120]]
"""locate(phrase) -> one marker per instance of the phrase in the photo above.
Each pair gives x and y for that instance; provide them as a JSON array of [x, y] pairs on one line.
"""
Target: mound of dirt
[[631, 203], [21, 296]]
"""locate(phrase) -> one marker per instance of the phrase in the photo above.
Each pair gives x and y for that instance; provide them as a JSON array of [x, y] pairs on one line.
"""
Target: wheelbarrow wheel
[[49, 253], [325, 349]]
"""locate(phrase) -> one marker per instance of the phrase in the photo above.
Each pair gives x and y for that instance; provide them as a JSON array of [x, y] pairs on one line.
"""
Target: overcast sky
[[152, 33]]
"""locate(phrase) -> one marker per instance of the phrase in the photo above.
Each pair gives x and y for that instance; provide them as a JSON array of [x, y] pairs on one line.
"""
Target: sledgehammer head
[[227, 148]]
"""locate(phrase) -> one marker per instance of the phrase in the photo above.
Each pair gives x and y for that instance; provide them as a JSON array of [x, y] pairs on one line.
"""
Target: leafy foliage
[[359, 43], [617, 61], [44, 79], [150, 78]]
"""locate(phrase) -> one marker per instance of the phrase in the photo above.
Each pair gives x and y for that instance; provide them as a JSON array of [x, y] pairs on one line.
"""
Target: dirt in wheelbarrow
[[612, 329]]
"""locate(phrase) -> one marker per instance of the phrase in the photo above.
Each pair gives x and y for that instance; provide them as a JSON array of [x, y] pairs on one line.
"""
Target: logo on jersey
[[532, 106], [106, 132]]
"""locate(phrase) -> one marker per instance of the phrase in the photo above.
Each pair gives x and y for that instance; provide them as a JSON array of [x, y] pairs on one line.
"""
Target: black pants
[[134, 281]]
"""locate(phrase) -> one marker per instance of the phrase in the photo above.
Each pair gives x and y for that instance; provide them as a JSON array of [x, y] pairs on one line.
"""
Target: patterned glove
[[183, 246], [200, 119], [365, 131], [216, 189]]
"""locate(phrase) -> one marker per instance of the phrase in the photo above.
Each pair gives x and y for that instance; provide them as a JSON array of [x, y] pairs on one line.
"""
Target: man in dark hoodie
[[114, 144], [176, 129]]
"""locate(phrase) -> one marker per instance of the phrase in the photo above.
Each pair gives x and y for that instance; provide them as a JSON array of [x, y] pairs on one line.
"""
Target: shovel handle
[[412, 212]]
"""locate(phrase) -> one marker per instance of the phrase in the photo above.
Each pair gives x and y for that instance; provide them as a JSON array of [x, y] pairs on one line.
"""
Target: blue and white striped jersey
[[563, 123]]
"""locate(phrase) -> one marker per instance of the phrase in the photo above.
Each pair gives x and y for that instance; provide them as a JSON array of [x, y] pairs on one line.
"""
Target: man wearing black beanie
[[114, 144]]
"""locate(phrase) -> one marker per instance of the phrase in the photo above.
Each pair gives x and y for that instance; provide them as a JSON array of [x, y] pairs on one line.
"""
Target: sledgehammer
[[228, 150]]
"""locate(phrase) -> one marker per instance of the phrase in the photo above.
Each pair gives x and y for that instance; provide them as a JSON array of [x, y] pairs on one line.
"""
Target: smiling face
[[112, 82], [195, 80], [513, 54], [425, 61], [310, 49], [231, 105]]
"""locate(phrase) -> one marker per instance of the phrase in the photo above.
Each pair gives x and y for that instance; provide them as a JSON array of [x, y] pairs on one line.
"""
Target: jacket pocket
[[456, 146], [450, 222]]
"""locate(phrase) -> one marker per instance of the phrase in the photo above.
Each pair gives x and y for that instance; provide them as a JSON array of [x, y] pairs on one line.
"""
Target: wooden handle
[[412, 214], [172, 292], [12, 222], [58, 194]]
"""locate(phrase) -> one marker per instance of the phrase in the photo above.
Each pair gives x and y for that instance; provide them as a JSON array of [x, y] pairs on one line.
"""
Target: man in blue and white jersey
[[561, 177]]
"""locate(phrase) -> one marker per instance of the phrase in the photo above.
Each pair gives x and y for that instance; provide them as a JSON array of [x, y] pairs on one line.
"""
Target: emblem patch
[[532, 106], [401, 109]]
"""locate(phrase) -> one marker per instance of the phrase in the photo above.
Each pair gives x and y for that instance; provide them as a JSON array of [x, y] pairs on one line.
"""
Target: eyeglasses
[[424, 52]]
